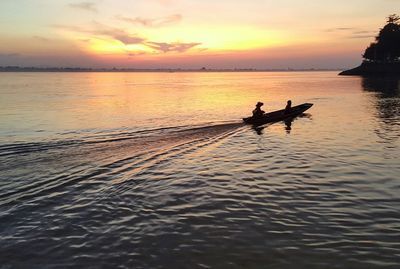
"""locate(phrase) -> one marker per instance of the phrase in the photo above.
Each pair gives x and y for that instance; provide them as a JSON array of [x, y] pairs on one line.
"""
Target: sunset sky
[[189, 33]]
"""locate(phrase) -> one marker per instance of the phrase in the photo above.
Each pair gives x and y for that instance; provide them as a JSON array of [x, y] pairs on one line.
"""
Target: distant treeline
[[43, 69], [80, 69]]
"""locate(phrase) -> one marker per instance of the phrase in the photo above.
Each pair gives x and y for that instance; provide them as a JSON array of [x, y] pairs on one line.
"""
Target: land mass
[[80, 69], [382, 57], [374, 69]]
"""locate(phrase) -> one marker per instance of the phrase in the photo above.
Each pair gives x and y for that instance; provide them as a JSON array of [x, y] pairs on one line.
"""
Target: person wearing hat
[[257, 112], [288, 107]]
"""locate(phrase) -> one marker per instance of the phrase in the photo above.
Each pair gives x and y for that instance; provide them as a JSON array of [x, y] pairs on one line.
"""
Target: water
[[155, 170]]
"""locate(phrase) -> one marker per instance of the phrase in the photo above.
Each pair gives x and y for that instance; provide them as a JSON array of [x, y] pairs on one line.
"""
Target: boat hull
[[278, 115]]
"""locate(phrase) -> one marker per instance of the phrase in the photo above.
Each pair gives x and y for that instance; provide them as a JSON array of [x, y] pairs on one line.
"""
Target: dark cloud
[[88, 6], [169, 47], [152, 22]]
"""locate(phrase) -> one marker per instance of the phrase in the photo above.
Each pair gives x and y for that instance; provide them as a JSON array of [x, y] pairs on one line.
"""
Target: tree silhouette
[[387, 45]]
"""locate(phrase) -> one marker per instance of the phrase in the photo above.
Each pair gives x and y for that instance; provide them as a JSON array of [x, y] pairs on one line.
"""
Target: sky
[[259, 34]]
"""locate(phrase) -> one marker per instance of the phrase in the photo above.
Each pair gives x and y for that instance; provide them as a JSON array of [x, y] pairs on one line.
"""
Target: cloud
[[159, 22], [361, 36], [10, 59], [102, 30], [338, 29], [88, 6], [9, 55], [352, 32], [171, 47], [127, 39], [137, 53], [363, 32], [41, 38]]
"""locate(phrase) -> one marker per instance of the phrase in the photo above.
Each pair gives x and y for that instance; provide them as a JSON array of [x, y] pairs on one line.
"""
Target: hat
[[259, 104]]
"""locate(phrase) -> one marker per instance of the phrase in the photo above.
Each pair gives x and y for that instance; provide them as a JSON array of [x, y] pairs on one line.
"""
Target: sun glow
[[206, 39], [220, 38], [186, 34], [110, 46]]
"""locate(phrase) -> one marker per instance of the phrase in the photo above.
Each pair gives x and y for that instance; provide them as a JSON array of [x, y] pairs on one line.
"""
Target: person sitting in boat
[[288, 107], [257, 112]]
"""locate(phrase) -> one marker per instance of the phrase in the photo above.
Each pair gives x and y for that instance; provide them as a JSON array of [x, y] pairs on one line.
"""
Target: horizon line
[[130, 69]]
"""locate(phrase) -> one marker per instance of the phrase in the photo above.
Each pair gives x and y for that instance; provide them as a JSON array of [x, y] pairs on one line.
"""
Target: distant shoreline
[[6, 69]]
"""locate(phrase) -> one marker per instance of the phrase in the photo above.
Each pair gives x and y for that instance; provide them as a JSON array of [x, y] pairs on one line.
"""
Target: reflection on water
[[387, 103], [388, 93], [156, 170], [287, 124], [386, 86]]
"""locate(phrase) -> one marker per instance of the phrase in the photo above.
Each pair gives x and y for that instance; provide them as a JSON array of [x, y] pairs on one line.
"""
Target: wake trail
[[112, 161]]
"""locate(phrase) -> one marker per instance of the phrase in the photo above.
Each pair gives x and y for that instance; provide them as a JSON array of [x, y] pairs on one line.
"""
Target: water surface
[[156, 170]]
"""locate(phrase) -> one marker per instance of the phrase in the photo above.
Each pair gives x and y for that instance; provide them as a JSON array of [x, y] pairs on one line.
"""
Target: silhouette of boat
[[278, 115]]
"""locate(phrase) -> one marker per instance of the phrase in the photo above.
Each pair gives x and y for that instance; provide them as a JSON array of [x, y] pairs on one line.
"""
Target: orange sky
[[189, 33]]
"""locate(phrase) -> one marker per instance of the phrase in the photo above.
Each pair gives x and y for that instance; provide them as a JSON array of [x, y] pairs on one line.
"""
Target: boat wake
[[38, 171]]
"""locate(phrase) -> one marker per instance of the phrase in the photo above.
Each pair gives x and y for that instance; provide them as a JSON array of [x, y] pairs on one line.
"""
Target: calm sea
[[156, 170]]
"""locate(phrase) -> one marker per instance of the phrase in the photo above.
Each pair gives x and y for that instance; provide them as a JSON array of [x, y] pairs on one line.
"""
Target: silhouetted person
[[288, 107], [257, 112]]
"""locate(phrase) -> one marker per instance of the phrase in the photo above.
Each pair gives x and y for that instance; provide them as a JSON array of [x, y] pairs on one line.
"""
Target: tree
[[393, 19], [386, 48]]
